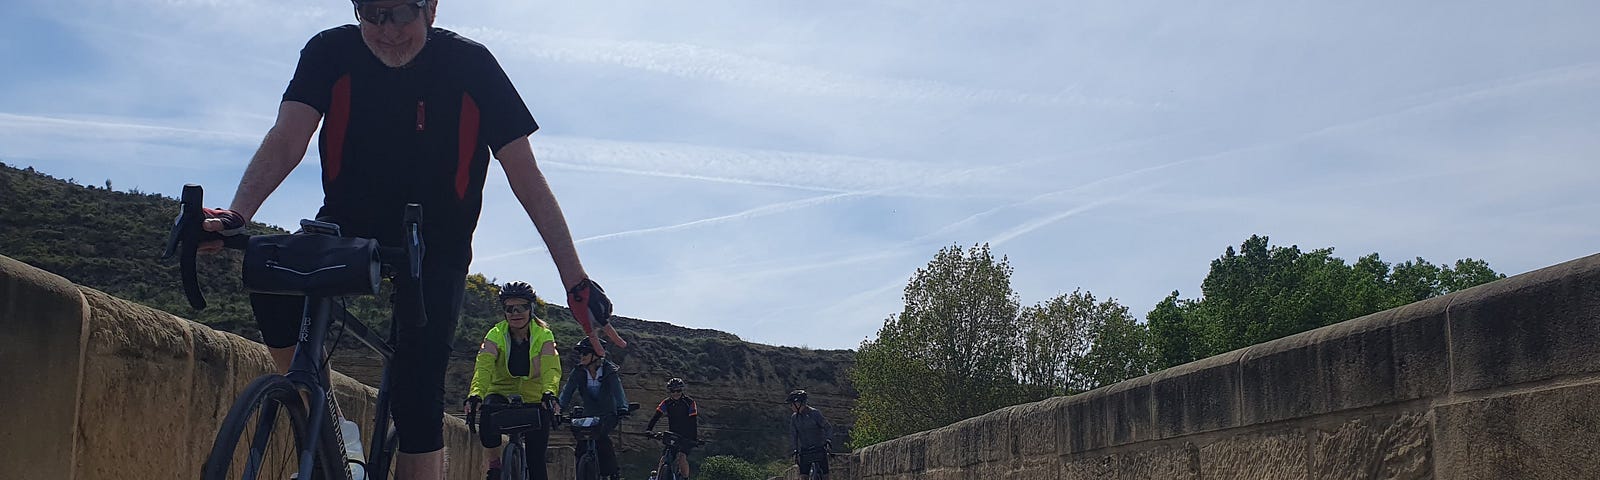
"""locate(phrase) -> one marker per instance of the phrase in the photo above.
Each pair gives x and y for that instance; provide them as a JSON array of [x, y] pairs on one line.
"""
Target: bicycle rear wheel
[[263, 434]]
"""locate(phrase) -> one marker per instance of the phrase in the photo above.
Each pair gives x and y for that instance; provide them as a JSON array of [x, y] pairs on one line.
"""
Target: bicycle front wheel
[[588, 467], [262, 436], [514, 462]]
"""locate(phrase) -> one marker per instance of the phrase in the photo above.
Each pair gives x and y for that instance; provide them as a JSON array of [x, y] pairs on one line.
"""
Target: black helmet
[[797, 396], [583, 346], [675, 385], [518, 290]]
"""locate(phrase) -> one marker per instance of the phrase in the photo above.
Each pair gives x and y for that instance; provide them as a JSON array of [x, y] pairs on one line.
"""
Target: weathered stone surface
[[1199, 396], [1279, 455], [960, 444], [154, 389], [1421, 350], [1387, 357], [138, 363], [1161, 461], [1280, 379], [1034, 427], [1541, 435], [1374, 447], [1534, 326], [43, 319]]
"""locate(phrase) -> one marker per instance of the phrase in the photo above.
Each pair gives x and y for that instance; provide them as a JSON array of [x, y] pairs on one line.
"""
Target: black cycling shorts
[[820, 459], [420, 354]]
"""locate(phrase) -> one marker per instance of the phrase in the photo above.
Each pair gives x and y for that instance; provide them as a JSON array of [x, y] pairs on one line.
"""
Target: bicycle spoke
[[259, 440]]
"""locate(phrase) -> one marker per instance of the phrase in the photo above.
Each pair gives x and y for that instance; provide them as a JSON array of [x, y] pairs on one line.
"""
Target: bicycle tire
[[514, 463], [588, 467], [269, 399], [381, 462]]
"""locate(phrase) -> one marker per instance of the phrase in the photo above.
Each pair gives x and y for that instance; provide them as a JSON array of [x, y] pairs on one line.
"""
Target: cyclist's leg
[[608, 456], [683, 465], [421, 354], [278, 319], [537, 442]]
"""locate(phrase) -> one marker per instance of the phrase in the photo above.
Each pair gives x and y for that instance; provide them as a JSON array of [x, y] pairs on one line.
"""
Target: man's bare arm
[[533, 191], [280, 152]]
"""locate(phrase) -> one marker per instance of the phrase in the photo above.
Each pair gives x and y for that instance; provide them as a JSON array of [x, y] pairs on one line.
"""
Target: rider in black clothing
[[811, 435], [682, 419]]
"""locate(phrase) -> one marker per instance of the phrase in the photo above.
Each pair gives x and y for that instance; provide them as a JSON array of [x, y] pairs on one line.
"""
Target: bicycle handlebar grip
[[188, 230]]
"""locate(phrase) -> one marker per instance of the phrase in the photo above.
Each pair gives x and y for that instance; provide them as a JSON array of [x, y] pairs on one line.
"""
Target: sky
[[779, 170]]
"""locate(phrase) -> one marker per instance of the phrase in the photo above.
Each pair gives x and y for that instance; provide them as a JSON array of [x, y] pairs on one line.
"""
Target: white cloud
[[797, 162]]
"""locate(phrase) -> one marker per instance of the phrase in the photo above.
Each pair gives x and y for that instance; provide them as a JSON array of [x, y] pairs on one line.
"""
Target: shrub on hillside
[[723, 467]]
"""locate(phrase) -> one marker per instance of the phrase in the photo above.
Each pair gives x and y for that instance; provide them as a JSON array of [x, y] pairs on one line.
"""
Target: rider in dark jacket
[[811, 435], [599, 390]]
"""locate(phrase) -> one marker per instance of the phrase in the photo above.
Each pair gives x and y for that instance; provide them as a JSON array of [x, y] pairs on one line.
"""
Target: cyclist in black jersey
[[409, 113], [683, 418]]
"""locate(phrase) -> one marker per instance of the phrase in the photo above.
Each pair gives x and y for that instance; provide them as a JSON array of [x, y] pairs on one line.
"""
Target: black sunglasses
[[518, 308], [401, 14]]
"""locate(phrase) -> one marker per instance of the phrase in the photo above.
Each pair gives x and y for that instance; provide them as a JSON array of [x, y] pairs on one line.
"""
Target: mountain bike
[[667, 467], [285, 426], [586, 430], [514, 419]]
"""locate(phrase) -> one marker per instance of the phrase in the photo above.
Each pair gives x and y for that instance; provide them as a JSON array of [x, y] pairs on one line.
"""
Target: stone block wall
[[1498, 381], [97, 387]]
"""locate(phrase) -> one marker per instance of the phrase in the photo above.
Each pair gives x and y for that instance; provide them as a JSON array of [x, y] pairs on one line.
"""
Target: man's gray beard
[[396, 62]]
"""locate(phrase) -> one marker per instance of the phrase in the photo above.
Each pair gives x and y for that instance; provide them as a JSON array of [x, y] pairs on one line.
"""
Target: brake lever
[[186, 232]]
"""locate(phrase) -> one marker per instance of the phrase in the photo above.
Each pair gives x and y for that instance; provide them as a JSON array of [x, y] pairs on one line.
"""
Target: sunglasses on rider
[[401, 14], [518, 308]]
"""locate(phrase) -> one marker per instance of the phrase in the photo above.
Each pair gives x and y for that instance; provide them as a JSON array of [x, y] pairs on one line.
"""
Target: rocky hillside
[[110, 240]]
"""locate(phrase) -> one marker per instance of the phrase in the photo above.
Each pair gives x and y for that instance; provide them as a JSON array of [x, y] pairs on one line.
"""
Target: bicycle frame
[[309, 371], [668, 463]]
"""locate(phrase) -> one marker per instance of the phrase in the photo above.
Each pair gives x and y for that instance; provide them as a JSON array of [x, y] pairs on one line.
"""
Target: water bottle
[[352, 448]]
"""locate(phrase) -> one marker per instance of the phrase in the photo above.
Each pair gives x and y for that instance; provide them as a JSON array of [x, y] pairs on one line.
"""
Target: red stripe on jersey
[[468, 145], [334, 128]]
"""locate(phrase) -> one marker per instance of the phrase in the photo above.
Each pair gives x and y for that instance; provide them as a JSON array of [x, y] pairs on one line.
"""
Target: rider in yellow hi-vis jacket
[[518, 357]]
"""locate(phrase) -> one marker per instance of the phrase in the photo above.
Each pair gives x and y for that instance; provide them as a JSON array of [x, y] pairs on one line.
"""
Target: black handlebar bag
[[312, 264]]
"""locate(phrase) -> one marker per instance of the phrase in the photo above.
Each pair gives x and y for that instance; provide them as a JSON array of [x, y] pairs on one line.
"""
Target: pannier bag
[[312, 264]]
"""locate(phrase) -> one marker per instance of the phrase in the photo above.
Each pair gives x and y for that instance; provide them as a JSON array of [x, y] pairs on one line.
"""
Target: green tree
[[1177, 332], [1121, 348], [947, 356], [1262, 292], [1075, 343]]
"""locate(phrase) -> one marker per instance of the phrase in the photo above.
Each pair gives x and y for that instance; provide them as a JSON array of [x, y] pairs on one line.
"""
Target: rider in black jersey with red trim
[[410, 114], [683, 418]]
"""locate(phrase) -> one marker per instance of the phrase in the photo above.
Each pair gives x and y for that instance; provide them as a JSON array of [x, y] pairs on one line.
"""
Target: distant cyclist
[[683, 419], [599, 389], [811, 434], [518, 357]]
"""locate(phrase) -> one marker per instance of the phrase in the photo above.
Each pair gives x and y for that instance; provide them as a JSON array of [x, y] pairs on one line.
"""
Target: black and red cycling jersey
[[682, 418], [421, 133]]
